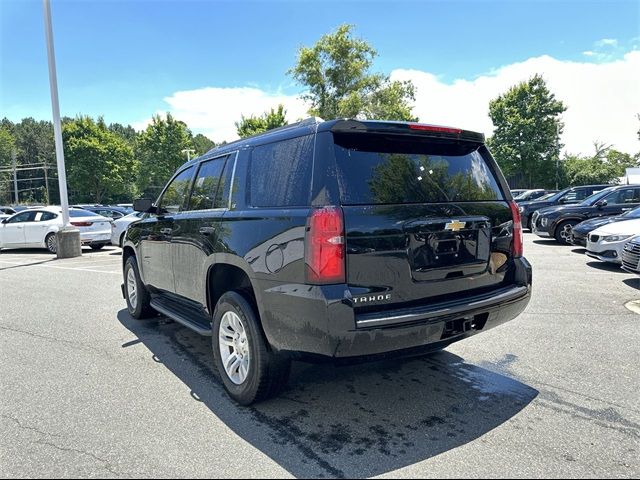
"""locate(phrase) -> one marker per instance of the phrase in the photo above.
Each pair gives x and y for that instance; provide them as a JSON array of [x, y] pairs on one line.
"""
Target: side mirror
[[143, 205], [601, 203]]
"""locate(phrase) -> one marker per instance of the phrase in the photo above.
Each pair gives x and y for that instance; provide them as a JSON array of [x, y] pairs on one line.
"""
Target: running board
[[182, 315]]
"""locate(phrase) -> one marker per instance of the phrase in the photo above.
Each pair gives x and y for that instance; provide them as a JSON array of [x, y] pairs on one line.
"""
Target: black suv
[[567, 196], [558, 222], [330, 240]]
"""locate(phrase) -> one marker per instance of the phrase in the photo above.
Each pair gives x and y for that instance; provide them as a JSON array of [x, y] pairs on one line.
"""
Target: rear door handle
[[207, 230], [166, 231]]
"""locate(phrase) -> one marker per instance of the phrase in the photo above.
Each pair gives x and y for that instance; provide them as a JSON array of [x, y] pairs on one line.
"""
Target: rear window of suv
[[381, 169]]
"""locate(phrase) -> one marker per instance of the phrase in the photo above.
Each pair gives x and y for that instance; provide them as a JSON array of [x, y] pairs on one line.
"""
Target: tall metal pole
[[55, 106]]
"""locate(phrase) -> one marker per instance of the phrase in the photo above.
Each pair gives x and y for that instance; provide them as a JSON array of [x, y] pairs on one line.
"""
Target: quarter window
[[175, 195], [207, 191], [46, 216], [280, 173]]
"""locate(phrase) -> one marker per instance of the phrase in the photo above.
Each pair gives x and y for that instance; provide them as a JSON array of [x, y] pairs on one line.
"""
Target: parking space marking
[[60, 267]]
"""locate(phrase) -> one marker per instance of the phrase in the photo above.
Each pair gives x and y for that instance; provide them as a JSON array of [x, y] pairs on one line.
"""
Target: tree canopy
[[100, 164], [248, 126], [527, 132], [336, 73], [159, 148]]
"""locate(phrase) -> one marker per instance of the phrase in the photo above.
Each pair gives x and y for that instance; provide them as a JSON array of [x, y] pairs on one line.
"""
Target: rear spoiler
[[402, 128]]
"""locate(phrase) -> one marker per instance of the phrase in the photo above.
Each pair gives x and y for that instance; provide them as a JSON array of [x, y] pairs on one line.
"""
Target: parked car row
[[35, 226], [606, 223]]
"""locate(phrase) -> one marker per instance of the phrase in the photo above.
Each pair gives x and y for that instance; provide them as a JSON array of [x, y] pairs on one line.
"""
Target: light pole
[[188, 152], [67, 238]]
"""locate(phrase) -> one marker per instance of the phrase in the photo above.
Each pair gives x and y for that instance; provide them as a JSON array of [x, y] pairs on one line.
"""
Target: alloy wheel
[[132, 288], [234, 348]]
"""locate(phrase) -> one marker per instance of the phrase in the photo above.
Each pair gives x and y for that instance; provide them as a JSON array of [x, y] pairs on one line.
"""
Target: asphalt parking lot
[[87, 391]]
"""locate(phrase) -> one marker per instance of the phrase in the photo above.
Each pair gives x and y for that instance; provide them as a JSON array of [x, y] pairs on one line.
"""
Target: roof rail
[[307, 122]]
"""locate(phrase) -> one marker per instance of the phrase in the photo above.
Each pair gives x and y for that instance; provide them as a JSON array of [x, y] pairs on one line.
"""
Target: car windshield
[[635, 213], [589, 201], [546, 196]]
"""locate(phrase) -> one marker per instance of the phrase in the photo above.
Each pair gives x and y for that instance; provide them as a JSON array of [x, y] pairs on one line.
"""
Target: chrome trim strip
[[511, 294]]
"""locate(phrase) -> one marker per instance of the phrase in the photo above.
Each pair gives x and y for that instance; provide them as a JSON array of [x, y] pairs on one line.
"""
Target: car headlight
[[616, 238], [544, 222]]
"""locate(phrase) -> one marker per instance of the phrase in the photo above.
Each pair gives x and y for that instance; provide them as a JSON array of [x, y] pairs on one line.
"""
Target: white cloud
[[611, 42], [602, 99], [213, 111], [589, 53]]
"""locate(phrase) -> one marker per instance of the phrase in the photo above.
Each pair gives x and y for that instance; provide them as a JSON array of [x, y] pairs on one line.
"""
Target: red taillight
[[325, 253], [517, 248], [81, 224], [434, 128]]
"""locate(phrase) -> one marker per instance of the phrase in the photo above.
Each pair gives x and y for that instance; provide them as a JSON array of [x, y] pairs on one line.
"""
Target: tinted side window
[[206, 193], [280, 173], [24, 217], [175, 194], [624, 196]]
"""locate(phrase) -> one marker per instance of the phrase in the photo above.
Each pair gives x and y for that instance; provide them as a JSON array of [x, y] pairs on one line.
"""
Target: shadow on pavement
[[544, 241], [606, 266], [355, 421], [632, 282]]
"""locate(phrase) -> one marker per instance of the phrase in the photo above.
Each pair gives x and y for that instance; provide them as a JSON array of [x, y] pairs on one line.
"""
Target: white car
[[36, 228], [607, 242], [119, 227]]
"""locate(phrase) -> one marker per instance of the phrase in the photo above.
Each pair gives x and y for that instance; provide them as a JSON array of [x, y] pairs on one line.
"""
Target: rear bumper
[[95, 238], [322, 322]]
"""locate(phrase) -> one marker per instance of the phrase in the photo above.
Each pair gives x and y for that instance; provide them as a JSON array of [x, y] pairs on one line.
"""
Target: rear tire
[[563, 232], [136, 294], [51, 243], [253, 372]]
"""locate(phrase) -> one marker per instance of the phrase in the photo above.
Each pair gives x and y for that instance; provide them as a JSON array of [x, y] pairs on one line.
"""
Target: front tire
[[96, 247], [564, 231], [138, 298], [249, 369]]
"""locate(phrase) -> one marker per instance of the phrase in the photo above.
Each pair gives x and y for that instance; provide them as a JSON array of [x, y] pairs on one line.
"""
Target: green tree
[[527, 128], [126, 132], [7, 146], [606, 165], [202, 144], [336, 73], [248, 126], [35, 148], [100, 164], [159, 148]]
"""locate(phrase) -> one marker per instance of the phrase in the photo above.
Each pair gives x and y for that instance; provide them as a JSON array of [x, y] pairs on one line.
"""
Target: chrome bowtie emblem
[[455, 225]]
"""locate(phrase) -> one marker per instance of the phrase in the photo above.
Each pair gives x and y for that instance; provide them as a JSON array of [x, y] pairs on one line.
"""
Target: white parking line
[[60, 268]]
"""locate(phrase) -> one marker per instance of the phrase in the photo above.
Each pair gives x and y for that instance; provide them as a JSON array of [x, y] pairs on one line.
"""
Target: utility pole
[[68, 237], [14, 161], [46, 181]]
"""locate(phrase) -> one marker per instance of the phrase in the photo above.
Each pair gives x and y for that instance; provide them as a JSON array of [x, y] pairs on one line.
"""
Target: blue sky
[[123, 59]]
